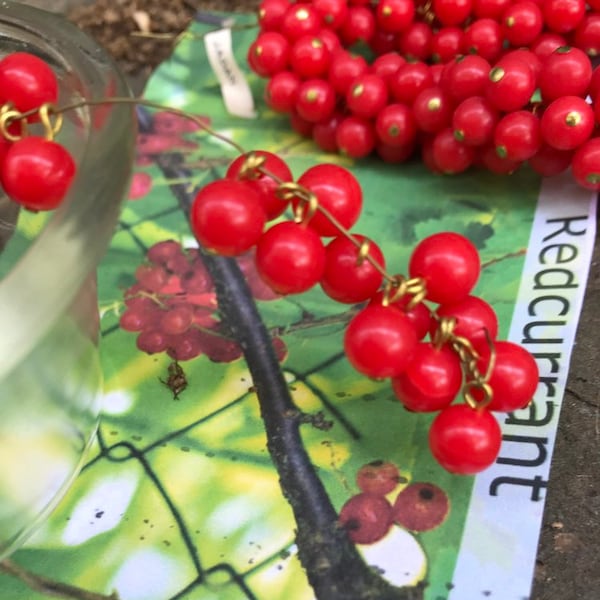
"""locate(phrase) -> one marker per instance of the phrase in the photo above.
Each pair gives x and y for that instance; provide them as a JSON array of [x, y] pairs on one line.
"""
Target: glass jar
[[50, 379]]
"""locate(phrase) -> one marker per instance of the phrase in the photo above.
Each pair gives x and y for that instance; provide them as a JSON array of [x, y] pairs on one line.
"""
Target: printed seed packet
[[180, 498]]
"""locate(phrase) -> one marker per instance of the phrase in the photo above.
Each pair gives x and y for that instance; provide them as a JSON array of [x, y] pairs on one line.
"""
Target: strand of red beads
[[462, 83], [429, 339]]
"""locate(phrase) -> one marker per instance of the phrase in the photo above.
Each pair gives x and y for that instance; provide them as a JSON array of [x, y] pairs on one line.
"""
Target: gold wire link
[[363, 252], [481, 386], [47, 113], [306, 209], [251, 167], [444, 333], [394, 288], [474, 379], [398, 286], [415, 286], [8, 115]]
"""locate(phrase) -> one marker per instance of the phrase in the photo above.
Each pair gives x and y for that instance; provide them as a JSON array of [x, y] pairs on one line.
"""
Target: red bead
[[517, 135], [490, 9], [566, 72], [344, 69], [451, 12], [380, 341], [324, 132], [586, 164], [264, 184], [281, 91], [27, 82], [476, 320], [395, 126], [37, 173], [299, 20], [522, 22], [446, 44], [567, 122], [290, 258], [415, 42], [431, 381], [510, 86], [337, 191], [409, 80], [355, 137], [467, 76], [269, 54], [587, 35], [349, 277], [563, 16], [474, 121], [367, 96], [333, 12], [463, 440], [359, 26], [449, 154], [394, 16], [514, 377], [227, 216], [309, 57], [316, 100], [546, 43], [446, 257], [271, 13], [387, 65], [419, 315], [433, 110], [549, 161]]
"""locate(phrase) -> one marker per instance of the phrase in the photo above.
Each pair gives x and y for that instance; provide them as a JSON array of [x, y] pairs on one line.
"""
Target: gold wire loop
[[415, 286], [363, 252], [48, 113], [483, 388], [309, 204], [444, 332], [395, 288], [251, 166], [8, 115], [474, 379]]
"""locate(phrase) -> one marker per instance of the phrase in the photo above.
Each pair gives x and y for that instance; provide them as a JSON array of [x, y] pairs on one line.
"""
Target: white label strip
[[235, 90], [500, 539]]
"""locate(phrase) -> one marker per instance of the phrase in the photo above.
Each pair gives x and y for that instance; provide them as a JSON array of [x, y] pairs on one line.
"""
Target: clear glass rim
[[41, 285]]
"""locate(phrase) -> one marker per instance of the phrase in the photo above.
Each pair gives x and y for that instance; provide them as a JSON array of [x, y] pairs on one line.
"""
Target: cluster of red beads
[[369, 515], [492, 83], [388, 337], [35, 171]]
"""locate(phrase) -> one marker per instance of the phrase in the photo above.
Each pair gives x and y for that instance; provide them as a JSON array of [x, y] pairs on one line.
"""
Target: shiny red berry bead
[[449, 263], [464, 440], [37, 173], [227, 216]]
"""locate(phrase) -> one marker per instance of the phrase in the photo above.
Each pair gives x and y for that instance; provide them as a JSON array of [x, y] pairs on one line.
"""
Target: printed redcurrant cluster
[[489, 83], [369, 515], [429, 352], [426, 333], [173, 306]]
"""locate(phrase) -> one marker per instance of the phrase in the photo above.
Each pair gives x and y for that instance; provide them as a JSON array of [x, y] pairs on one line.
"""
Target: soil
[[128, 28]]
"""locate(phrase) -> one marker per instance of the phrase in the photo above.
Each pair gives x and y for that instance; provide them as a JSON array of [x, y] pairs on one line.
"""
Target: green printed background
[[179, 498]]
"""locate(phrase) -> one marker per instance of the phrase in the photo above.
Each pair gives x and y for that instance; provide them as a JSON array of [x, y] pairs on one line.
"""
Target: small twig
[[49, 587]]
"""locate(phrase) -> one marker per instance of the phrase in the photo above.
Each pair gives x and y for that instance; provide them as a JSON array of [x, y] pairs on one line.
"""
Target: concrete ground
[[567, 564]]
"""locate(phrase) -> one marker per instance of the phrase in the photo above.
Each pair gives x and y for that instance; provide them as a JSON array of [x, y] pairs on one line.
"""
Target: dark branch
[[334, 568]]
